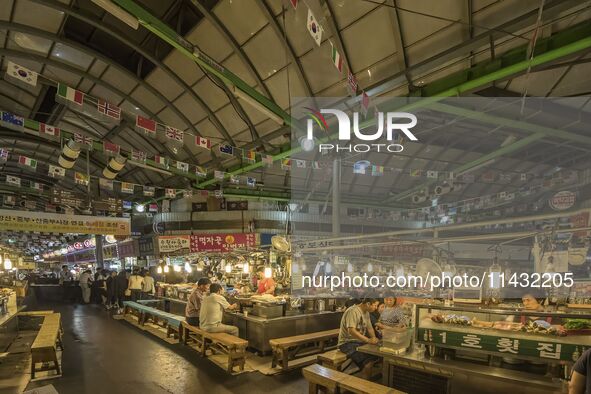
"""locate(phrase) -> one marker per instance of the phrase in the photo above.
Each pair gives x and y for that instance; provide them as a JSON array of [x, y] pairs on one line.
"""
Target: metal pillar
[[98, 253], [336, 197]]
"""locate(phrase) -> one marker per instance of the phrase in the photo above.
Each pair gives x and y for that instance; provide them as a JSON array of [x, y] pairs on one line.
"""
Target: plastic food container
[[396, 338]]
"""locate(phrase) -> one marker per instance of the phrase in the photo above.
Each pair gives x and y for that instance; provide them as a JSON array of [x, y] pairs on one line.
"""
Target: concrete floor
[[103, 355]]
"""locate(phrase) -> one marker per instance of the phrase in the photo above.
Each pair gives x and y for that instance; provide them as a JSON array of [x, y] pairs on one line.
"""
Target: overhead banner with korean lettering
[[62, 224], [176, 244], [223, 242]]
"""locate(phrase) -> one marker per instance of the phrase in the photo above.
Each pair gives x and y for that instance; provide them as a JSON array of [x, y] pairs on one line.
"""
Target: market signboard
[[66, 197], [173, 243], [504, 346], [146, 246], [64, 224], [223, 242], [562, 200], [126, 249]]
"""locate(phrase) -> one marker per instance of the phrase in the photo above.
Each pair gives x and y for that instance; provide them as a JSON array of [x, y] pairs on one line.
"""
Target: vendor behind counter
[[265, 285]]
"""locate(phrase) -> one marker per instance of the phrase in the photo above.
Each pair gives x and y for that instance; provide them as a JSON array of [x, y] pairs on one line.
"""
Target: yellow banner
[[66, 224]]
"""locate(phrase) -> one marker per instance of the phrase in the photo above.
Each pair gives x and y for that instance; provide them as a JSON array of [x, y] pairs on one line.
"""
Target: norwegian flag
[[203, 142], [137, 155], [174, 134], [82, 139], [108, 109], [351, 83]]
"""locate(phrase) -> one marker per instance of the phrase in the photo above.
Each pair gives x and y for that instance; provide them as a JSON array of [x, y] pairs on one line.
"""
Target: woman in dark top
[[111, 295], [120, 287]]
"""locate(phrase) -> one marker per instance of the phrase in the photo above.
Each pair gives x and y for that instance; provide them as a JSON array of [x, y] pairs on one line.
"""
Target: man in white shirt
[[84, 282], [212, 312]]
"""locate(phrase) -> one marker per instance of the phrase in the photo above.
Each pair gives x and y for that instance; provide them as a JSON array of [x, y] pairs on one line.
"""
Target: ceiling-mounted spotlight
[[115, 165], [251, 101], [140, 208], [442, 189], [418, 198], [118, 13], [70, 153], [306, 144]]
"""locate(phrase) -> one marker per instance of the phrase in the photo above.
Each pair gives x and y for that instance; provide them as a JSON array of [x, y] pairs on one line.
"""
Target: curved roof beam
[[55, 38], [211, 115]]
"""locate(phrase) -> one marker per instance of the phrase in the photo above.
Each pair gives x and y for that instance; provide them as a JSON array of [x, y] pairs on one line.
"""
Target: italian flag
[[72, 95], [27, 161], [336, 58]]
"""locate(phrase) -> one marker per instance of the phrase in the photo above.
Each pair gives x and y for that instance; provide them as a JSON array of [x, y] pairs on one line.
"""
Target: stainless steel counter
[[464, 376], [258, 330]]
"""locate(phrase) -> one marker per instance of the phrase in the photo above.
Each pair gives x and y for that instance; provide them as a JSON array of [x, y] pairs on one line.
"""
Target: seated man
[[194, 302], [212, 312], [356, 330]]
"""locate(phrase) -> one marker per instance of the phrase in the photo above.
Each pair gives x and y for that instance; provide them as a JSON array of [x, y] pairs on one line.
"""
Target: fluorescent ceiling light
[[260, 107], [118, 13], [135, 163]]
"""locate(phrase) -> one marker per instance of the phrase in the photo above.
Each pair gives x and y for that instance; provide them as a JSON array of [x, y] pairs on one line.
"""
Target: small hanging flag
[[71, 95], [488, 177], [300, 163], [50, 208], [149, 191], [12, 121], [218, 193], [10, 200], [506, 178], [251, 182], [13, 180], [314, 28], [28, 162], [523, 177], [56, 171], [82, 139], [81, 179], [200, 171], [137, 155], [170, 193], [37, 186], [351, 83], [468, 178], [110, 148], [48, 130], [227, 149], [146, 125], [432, 174], [219, 175], [294, 4], [315, 165], [126, 204], [337, 60], [182, 166], [267, 160], [451, 175], [286, 164], [203, 142], [3, 155], [234, 179], [174, 135], [510, 196], [127, 187], [161, 160], [364, 103], [250, 155], [106, 184], [188, 193], [415, 173], [377, 170], [110, 110], [21, 74], [359, 167], [153, 208], [502, 195]]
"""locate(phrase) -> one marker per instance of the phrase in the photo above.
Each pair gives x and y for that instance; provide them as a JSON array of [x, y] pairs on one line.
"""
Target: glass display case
[[538, 336]]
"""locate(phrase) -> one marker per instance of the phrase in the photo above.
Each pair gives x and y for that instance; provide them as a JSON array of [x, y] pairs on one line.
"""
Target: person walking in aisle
[[135, 285], [212, 311], [148, 288], [85, 282], [111, 294], [195, 300], [121, 284]]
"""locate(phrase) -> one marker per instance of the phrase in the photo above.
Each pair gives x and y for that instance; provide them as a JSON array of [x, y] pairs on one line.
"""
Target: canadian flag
[[203, 142]]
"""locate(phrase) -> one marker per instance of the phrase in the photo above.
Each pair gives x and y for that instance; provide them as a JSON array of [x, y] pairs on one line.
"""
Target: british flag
[[82, 139], [352, 83], [174, 134]]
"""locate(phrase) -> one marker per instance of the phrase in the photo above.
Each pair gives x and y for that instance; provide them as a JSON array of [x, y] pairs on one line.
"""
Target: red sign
[[223, 242]]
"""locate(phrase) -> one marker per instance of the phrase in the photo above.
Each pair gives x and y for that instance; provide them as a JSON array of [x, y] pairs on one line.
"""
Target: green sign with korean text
[[503, 345]]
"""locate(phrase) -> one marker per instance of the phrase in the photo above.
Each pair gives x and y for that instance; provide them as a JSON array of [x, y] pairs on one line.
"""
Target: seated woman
[[392, 315]]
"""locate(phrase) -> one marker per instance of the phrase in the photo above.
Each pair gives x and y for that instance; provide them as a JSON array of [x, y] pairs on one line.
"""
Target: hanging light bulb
[[115, 165], [7, 264], [159, 269], [176, 268], [246, 268], [166, 269], [268, 272], [188, 267], [70, 153], [228, 268], [369, 267]]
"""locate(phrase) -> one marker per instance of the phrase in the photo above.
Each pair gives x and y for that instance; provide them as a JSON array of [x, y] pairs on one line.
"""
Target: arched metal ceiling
[[392, 46]]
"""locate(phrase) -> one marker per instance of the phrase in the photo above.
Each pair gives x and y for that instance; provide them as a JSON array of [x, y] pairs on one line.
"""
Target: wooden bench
[[337, 382], [35, 313], [334, 359], [170, 321], [44, 347], [231, 345], [290, 348]]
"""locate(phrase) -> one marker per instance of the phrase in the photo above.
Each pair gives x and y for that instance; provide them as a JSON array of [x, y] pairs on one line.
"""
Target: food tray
[[579, 306]]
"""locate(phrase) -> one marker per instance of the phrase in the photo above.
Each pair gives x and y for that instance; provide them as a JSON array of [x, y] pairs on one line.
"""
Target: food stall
[[8, 312]]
